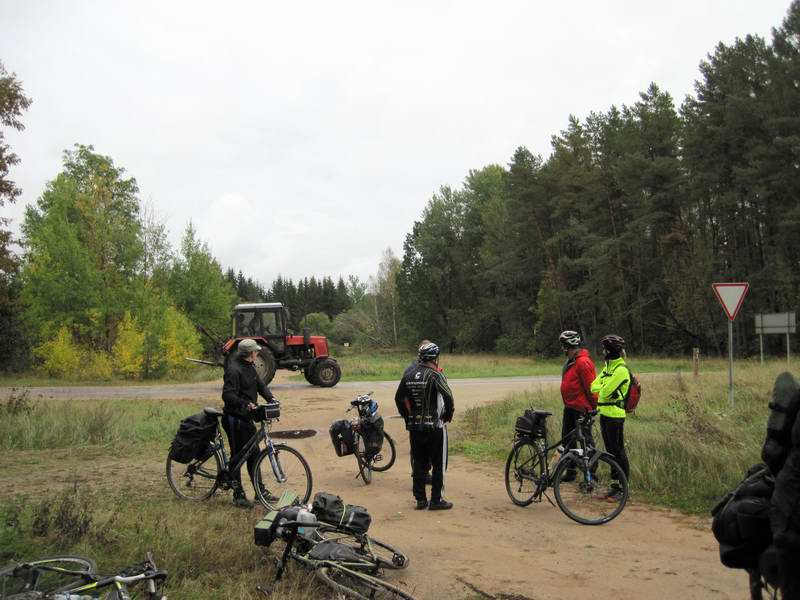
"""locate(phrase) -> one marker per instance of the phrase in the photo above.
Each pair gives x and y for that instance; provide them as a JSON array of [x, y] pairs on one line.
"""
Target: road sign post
[[731, 296]]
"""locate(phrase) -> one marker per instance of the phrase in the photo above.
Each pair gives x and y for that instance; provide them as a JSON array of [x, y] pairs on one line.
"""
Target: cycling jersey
[[424, 399]]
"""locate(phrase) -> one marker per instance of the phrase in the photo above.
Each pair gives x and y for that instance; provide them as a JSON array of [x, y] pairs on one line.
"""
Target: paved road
[[212, 389]]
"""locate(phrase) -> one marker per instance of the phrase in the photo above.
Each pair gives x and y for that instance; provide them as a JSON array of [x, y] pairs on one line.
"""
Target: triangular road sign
[[731, 296]]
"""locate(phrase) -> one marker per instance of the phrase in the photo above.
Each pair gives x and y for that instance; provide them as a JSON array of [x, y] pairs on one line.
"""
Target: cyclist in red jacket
[[576, 380]]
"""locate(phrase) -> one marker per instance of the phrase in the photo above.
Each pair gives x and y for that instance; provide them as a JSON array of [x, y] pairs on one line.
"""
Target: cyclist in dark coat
[[425, 402], [240, 392]]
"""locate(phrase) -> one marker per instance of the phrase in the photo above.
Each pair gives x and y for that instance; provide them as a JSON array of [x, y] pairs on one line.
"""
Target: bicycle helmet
[[569, 339], [613, 344], [428, 352]]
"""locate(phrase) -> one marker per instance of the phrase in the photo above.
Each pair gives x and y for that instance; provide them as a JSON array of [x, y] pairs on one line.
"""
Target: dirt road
[[532, 553]]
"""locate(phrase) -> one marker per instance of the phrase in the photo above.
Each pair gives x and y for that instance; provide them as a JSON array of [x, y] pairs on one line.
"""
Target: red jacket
[[576, 382]]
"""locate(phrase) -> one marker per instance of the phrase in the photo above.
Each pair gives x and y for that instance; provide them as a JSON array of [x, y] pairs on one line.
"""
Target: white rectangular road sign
[[776, 323], [731, 296]]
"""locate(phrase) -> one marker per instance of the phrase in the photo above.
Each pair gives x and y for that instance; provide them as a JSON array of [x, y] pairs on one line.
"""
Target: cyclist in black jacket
[[240, 391], [425, 402]]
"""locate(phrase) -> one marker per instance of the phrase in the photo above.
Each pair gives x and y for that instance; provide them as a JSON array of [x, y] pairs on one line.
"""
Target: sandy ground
[[485, 542]]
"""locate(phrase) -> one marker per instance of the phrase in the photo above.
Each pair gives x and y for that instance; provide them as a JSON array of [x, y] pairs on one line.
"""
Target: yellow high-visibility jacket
[[611, 386]]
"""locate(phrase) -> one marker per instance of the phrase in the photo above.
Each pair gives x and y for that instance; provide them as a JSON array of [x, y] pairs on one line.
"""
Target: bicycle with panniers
[[364, 437], [198, 465], [580, 474]]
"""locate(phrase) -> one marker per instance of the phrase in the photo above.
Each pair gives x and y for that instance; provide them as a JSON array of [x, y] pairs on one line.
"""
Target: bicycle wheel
[[388, 455], [364, 465], [588, 496], [288, 471], [45, 575], [360, 586], [524, 470], [381, 554], [195, 481]]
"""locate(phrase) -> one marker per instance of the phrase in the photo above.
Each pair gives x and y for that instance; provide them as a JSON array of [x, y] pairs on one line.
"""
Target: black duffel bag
[[194, 438], [331, 509], [372, 432], [342, 437]]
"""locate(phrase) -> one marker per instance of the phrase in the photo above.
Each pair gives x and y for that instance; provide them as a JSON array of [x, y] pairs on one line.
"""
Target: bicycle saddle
[[212, 412]]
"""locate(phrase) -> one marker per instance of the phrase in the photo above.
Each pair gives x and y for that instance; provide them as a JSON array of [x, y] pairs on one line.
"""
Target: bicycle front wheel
[[364, 465], [590, 496], [387, 456], [357, 585], [195, 481], [283, 470], [524, 469], [45, 575]]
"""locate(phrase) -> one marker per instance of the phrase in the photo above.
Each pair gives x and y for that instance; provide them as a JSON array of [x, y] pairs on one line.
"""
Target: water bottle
[[305, 516]]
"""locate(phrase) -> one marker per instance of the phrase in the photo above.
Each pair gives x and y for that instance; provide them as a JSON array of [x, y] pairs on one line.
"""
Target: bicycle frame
[[252, 446]]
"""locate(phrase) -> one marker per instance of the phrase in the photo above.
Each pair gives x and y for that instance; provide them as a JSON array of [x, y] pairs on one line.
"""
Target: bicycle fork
[[277, 470]]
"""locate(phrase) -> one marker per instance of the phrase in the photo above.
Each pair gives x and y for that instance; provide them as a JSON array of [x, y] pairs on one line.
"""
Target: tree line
[[627, 223], [622, 228]]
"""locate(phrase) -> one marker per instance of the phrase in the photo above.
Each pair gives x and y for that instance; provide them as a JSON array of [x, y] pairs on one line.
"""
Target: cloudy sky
[[305, 138]]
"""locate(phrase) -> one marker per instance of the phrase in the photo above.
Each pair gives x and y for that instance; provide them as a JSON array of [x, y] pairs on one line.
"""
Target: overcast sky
[[304, 138]]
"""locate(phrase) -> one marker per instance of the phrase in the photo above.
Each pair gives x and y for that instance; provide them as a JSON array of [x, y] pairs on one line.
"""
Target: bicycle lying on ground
[[277, 469], [581, 477], [367, 432], [339, 565], [75, 577]]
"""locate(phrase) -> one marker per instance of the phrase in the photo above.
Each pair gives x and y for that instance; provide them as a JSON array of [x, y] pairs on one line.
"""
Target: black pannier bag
[[784, 408], [331, 509], [372, 432], [194, 438], [741, 522], [342, 437], [532, 424]]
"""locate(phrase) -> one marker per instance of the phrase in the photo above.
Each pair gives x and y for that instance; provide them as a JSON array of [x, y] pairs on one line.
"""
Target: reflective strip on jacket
[[611, 386]]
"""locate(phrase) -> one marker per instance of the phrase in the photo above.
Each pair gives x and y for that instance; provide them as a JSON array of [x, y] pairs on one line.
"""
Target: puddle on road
[[293, 434]]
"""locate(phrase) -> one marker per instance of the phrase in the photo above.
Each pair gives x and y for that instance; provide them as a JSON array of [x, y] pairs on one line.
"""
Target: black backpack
[[785, 406], [194, 438], [741, 522]]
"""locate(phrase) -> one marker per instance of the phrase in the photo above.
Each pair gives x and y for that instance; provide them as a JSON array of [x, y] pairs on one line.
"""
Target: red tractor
[[265, 323]]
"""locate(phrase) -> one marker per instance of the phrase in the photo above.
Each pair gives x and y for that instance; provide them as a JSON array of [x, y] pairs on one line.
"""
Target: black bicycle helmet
[[428, 352], [613, 344], [569, 339]]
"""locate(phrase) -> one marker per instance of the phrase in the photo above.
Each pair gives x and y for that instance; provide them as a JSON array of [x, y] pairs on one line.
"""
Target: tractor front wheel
[[308, 373], [326, 372], [265, 365]]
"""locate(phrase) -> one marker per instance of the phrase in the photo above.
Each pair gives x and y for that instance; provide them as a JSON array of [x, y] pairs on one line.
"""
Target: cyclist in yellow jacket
[[611, 386]]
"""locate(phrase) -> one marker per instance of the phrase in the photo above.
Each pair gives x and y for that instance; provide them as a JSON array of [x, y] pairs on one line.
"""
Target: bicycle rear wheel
[[45, 575], [364, 465], [388, 455], [590, 497], [195, 481], [352, 584], [289, 471], [524, 469], [381, 554]]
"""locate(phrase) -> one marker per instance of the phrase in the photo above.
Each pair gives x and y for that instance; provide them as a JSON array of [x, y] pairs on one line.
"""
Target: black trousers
[[239, 432], [569, 422], [428, 448], [613, 430]]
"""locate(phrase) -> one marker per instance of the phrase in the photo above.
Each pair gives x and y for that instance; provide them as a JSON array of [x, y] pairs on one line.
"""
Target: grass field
[[686, 444], [34, 379], [382, 366]]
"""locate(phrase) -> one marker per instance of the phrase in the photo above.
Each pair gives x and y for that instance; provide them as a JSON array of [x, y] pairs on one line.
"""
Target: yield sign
[[731, 296]]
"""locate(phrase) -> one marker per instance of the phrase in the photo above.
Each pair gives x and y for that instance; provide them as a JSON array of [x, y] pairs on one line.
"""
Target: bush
[[97, 366], [128, 350], [60, 357], [179, 340]]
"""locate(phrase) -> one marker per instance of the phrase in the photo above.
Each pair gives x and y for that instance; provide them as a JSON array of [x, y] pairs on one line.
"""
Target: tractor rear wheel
[[327, 372], [265, 365]]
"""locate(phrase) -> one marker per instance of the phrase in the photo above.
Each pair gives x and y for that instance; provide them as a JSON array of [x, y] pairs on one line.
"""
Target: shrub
[[97, 365], [179, 340], [128, 350], [60, 356]]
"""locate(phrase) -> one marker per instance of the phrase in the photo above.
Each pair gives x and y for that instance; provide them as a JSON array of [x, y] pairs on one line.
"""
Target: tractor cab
[[266, 323]]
